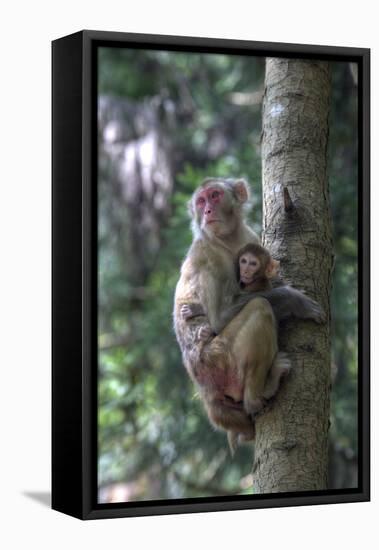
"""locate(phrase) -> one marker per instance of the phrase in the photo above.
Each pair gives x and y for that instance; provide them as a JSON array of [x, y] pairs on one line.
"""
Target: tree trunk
[[291, 451]]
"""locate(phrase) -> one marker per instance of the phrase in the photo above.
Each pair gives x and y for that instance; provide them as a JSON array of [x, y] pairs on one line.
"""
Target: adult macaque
[[241, 367]]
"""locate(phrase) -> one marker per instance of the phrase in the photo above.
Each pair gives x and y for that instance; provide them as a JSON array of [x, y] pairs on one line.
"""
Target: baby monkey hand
[[188, 311]]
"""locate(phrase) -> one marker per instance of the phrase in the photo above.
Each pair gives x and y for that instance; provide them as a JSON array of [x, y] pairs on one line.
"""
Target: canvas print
[[227, 199]]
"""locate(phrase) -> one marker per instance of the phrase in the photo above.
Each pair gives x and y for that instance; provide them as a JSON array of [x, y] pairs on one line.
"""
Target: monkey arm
[[192, 331], [288, 302], [285, 301]]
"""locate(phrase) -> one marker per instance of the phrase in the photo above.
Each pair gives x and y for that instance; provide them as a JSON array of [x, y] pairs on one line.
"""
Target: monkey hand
[[313, 310], [204, 333], [317, 314], [188, 311]]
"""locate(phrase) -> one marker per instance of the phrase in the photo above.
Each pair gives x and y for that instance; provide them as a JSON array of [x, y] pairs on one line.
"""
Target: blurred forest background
[[166, 121]]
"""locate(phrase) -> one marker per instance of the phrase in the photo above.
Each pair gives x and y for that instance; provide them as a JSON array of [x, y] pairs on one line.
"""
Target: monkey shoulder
[[187, 288], [204, 267], [204, 257], [195, 260]]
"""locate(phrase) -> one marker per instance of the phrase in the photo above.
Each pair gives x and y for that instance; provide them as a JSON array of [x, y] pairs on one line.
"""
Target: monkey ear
[[241, 190], [272, 269]]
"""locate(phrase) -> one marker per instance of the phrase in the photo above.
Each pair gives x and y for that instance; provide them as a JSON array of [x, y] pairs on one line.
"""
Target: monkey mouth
[[246, 280]]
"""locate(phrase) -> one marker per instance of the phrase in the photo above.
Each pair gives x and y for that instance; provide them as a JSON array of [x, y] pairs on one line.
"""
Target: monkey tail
[[233, 441]]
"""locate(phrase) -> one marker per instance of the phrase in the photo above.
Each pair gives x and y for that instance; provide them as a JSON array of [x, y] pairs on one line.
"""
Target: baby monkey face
[[249, 267]]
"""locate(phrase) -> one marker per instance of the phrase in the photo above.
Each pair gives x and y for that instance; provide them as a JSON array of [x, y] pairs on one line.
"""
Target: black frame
[[74, 295]]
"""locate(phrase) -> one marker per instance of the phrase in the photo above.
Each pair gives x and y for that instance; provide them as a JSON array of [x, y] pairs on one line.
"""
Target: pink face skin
[[207, 203], [249, 266]]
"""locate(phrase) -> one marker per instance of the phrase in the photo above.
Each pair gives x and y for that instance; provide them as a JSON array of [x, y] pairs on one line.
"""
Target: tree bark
[[291, 451]]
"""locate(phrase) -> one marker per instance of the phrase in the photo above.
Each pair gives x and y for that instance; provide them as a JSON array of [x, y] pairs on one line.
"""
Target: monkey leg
[[252, 338]]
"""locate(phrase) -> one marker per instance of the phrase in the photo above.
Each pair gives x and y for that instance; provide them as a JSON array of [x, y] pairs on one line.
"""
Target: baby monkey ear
[[272, 268]]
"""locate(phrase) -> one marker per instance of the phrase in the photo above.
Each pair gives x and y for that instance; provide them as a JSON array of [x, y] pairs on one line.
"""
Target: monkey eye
[[200, 201], [243, 261], [215, 194]]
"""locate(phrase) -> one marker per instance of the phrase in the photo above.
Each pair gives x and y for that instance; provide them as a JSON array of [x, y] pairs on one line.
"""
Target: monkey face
[[214, 208], [249, 266], [208, 205]]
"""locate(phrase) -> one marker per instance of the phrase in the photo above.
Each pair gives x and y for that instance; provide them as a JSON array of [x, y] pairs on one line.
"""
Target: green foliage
[[153, 435]]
